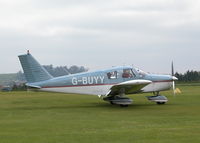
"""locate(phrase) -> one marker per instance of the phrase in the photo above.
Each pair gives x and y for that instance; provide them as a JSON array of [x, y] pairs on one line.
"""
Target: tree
[[57, 71], [189, 76]]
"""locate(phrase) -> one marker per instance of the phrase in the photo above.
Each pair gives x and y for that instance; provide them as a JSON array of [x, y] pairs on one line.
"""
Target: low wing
[[128, 87]]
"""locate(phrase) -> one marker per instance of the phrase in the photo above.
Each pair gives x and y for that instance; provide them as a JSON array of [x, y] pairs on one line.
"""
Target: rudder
[[33, 71]]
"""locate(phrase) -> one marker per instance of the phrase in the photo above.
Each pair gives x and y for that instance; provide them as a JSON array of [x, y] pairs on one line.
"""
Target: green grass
[[40, 117]]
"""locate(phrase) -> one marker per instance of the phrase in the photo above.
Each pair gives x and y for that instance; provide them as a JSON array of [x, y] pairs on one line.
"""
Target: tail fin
[[33, 71]]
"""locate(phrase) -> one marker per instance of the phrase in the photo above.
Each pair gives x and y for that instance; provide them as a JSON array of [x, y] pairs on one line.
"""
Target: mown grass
[[41, 117]]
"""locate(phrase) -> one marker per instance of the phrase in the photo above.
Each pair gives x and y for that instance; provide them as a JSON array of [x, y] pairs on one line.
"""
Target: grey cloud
[[113, 32]]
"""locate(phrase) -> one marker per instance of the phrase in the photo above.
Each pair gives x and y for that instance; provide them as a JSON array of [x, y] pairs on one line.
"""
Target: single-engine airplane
[[111, 85]]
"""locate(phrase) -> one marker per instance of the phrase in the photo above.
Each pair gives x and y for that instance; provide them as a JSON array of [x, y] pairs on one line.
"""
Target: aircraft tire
[[160, 103], [111, 103], [123, 105]]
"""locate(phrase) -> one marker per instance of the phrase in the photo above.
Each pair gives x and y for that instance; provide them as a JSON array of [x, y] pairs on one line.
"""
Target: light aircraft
[[111, 85]]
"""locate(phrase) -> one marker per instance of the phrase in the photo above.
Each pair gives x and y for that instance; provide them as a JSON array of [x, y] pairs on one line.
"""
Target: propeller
[[173, 78]]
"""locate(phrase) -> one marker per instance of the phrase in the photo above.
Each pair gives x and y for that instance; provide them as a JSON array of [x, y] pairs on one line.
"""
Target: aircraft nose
[[174, 78]]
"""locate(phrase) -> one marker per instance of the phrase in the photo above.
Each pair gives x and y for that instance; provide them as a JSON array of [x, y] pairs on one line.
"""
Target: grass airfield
[[41, 117]]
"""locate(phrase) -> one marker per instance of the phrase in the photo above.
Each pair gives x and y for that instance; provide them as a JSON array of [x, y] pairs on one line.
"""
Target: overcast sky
[[97, 34]]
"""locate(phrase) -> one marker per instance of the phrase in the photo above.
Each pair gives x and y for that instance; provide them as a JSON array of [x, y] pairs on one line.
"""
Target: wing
[[128, 87]]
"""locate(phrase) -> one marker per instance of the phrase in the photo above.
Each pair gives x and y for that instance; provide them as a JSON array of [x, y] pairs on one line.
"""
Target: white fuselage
[[104, 88]]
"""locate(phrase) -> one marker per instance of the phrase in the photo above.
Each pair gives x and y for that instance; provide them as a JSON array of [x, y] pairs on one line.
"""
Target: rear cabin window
[[112, 75], [127, 73]]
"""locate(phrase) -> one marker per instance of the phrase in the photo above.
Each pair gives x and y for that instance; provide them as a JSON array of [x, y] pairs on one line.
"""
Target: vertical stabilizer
[[33, 71]]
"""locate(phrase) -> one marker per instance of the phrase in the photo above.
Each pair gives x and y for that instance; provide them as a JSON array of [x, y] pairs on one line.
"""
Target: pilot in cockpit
[[127, 73]]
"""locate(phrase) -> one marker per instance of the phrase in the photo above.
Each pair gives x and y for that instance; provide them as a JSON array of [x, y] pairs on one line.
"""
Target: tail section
[[33, 71]]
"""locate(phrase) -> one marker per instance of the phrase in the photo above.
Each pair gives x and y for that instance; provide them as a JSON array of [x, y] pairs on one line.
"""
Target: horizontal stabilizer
[[33, 86]]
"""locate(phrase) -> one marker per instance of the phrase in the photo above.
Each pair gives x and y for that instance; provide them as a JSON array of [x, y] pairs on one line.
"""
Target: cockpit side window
[[112, 75], [128, 73]]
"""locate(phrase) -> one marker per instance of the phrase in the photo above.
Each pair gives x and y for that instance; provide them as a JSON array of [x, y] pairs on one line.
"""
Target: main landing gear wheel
[[160, 103], [119, 100], [121, 105], [159, 99], [112, 103]]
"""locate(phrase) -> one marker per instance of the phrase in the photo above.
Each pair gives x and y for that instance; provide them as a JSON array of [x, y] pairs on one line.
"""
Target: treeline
[[18, 82], [189, 76], [57, 71], [64, 70]]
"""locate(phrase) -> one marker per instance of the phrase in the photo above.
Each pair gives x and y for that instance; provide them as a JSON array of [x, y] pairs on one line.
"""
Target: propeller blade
[[172, 69], [173, 87], [173, 78]]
